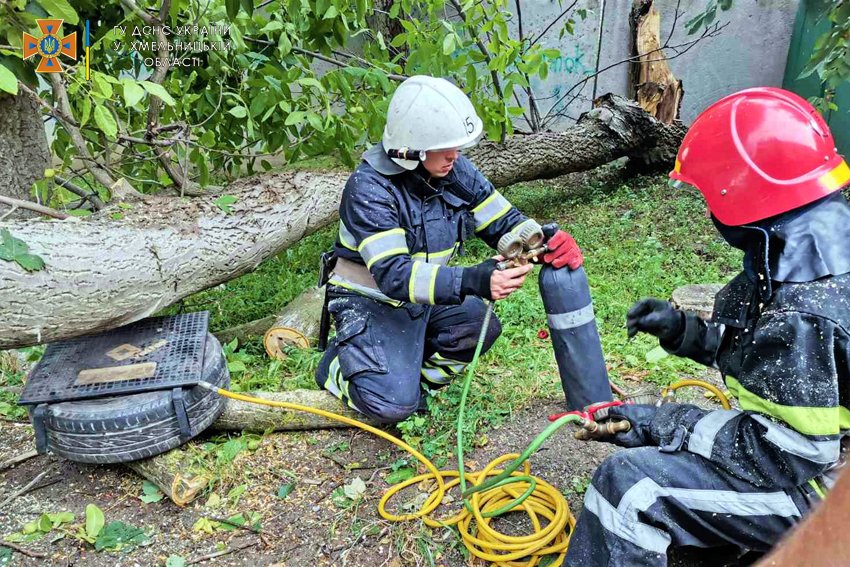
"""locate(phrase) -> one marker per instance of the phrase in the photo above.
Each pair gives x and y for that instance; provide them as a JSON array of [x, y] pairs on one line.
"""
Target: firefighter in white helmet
[[404, 317]]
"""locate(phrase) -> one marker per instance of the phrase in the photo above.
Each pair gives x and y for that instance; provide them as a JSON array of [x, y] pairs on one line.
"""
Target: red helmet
[[759, 153]]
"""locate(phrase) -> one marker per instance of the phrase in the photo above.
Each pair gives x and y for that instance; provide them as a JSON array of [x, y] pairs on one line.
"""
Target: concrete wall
[[750, 51]]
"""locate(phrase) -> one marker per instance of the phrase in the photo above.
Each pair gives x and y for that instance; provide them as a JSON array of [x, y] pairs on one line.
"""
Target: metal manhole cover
[[153, 354]]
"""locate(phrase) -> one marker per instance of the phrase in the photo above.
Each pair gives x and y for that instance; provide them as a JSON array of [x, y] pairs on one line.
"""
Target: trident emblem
[[50, 46]]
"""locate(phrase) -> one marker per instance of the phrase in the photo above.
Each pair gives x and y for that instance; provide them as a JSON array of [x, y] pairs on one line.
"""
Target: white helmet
[[428, 113]]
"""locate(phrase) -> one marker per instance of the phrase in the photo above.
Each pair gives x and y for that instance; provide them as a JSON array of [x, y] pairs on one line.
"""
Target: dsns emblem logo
[[50, 46]]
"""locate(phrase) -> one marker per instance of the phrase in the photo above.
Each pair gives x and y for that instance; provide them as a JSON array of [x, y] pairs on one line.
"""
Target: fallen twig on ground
[[22, 550], [26, 488], [18, 459], [227, 551]]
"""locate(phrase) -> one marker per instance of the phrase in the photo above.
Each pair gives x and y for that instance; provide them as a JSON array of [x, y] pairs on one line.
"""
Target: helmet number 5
[[470, 127]]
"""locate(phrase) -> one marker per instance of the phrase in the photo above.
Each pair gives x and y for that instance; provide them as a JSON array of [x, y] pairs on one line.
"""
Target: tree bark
[[102, 273], [297, 325], [244, 416], [254, 328], [615, 128], [105, 273], [24, 153], [657, 90], [175, 474]]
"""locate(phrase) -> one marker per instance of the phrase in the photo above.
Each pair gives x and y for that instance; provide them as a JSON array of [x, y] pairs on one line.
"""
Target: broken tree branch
[[41, 209], [679, 50], [90, 196]]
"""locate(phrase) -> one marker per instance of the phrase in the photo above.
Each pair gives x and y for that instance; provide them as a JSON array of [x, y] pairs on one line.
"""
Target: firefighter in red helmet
[[766, 163]]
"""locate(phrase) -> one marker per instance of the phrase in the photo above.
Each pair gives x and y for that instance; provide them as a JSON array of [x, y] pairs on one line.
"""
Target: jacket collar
[[803, 245]]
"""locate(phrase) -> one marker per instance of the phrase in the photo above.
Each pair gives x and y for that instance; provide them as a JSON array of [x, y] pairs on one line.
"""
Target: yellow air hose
[[493, 491]]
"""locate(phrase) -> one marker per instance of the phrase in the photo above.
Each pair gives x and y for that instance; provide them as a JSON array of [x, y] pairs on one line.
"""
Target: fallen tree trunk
[[244, 416], [614, 128], [102, 273], [297, 325], [182, 480]]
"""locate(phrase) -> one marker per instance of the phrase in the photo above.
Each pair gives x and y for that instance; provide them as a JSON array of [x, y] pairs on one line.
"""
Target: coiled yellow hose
[[543, 501]]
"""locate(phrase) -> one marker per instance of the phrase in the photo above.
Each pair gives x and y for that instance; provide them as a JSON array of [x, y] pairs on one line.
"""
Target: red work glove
[[563, 251]]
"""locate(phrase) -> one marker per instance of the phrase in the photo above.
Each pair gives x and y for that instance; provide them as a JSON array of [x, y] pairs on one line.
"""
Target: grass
[[640, 238]]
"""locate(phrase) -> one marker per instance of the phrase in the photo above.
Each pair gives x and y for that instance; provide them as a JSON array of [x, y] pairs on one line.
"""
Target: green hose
[[504, 477]]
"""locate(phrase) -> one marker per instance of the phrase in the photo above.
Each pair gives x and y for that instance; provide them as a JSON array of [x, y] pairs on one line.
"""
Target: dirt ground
[[306, 527]]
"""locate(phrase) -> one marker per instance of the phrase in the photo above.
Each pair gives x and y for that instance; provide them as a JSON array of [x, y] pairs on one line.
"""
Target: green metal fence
[[808, 26]]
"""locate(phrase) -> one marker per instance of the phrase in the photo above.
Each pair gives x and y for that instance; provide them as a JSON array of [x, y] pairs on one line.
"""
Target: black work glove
[[475, 280], [640, 417], [664, 426], [656, 317]]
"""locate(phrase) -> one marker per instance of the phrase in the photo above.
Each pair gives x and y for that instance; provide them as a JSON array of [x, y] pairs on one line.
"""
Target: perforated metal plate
[[153, 354]]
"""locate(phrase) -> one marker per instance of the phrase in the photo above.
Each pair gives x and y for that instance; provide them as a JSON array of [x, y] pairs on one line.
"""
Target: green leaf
[[8, 81], [285, 490], [695, 23], [449, 44], [205, 525], [30, 262], [44, 524], [151, 493], [158, 91], [232, 8], [86, 111], [94, 521], [224, 203], [116, 536], [311, 82], [656, 355], [331, 13], [400, 475], [284, 45], [105, 121], [239, 111], [236, 365], [175, 561], [101, 85], [11, 247], [295, 118], [234, 495], [315, 121], [133, 92], [238, 520], [60, 9], [248, 6], [60, 518]]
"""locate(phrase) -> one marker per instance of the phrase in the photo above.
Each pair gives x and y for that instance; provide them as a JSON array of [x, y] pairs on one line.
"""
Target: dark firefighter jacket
[[405, 228], [786, 357]]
